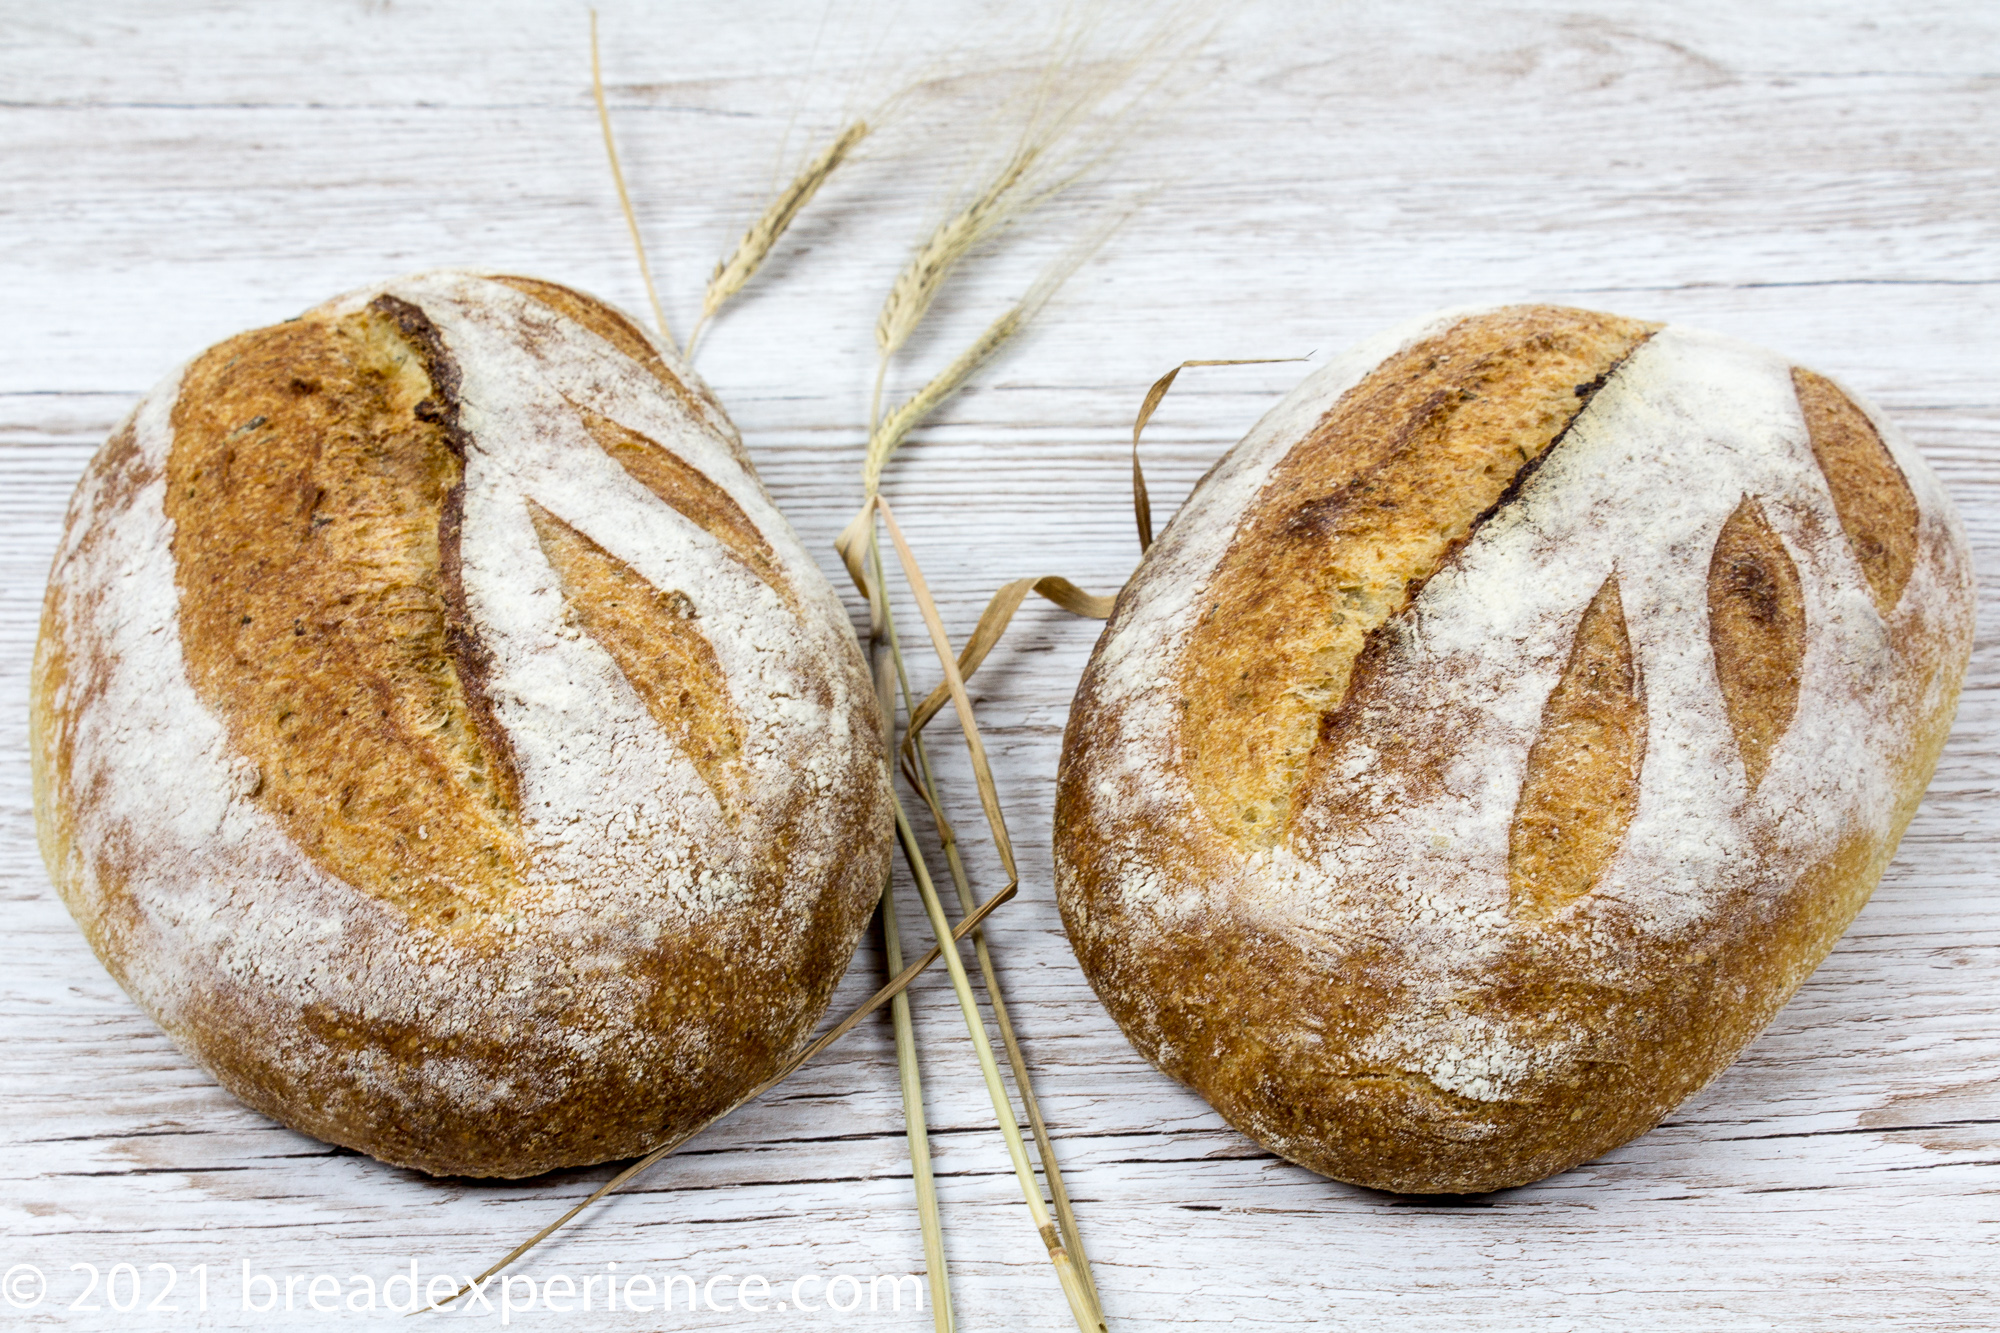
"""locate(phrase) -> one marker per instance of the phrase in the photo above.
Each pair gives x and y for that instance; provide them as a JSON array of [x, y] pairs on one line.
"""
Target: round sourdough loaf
[[1501, 733], [439, 731]]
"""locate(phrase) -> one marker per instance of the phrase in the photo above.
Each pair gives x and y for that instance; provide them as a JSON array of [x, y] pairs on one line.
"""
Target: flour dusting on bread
[[654, 956]]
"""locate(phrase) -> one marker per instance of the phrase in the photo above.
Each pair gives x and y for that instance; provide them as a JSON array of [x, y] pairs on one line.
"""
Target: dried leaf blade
[[1142, 505]]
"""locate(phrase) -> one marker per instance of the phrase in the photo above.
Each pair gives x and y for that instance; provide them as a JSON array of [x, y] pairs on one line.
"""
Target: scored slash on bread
[[316, 490], [1581, 784], [653, 637]]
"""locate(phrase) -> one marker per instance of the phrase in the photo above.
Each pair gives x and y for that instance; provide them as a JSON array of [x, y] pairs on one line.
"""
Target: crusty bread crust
[[1500, 734], [438, 730]]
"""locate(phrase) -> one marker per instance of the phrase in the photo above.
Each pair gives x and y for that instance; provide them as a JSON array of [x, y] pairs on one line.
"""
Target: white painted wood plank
[[1824, 182]]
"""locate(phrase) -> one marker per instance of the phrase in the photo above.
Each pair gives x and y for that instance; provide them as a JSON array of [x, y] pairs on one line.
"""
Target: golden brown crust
[[1757, 630], [657, 643], [621, 332], [1544, 871], [691, 494], [1870, 493], [1581, 785], [312, 487], [608, 324], [278, 832], [1352, 524], [462, 642]]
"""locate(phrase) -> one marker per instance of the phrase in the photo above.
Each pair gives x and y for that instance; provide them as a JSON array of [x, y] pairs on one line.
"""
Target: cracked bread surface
[[1542, 648]]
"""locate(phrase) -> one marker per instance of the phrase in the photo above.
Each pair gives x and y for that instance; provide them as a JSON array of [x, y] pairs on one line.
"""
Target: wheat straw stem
[[1016, 1059], [618, 178], [1142, 505], [907, 1073], [992, 626], [1077, 1286], [1003, 1106], [883, 631], [914, 1128], [982, 770], [875, 398], [846, 1025], [917, 770]]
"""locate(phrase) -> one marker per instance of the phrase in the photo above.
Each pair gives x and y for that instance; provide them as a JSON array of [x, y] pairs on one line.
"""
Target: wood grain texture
[[1822, 183]]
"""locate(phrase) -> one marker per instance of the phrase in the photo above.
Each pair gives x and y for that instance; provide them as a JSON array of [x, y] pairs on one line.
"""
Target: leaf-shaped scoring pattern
[[690, 493], [655, 640], [1757, 631], [607, 324], [1582, 781], [1876, 507]]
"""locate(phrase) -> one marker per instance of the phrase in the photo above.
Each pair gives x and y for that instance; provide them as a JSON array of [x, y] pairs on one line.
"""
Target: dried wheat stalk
[[750, 253], [1030, 176], [889, 432], [1013, 189], [929, 1219], [618, 178], [1142, 504], [920, 280], [1064, 1244], [921, 778]]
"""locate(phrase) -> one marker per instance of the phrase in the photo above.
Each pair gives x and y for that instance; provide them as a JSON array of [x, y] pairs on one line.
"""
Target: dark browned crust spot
[[1397, 475], [656, 640], [690, 493], [1757, 631], [1877, 509], [1581, 786], [315, 484]]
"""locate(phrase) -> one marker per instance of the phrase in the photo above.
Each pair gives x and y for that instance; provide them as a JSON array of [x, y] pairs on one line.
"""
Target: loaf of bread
[[1500, 734], [441, 734]]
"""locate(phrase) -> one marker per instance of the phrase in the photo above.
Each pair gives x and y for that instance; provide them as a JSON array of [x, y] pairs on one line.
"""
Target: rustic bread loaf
[[1500, 734], [439, 731]]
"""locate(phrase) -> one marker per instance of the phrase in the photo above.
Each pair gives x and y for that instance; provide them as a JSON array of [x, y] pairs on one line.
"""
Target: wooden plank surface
[[1826, 182]]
